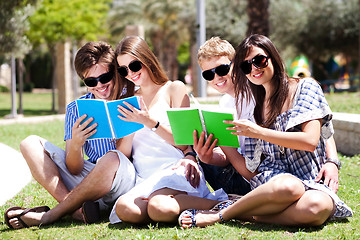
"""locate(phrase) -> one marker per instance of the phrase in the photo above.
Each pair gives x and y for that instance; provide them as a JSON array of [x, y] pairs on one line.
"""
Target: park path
[[14, 173]]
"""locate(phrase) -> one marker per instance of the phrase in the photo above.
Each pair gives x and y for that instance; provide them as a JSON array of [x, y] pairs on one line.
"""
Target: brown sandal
[[26, 210]]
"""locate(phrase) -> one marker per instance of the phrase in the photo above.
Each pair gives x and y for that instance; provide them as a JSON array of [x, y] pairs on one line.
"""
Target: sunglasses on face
[[134, 66], [220, 70], [259, 61], [103, 78]]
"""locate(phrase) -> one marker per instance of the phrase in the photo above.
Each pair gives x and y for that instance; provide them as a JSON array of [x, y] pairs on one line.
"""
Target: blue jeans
[[226, 178]]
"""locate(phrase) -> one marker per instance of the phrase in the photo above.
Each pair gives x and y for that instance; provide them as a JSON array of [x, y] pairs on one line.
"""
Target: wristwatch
[[191, 154], [335, 161], [156, 126], [196, 159]]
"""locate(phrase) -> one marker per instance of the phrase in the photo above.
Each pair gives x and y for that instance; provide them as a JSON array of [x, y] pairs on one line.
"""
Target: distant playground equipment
[[300, 67], [343, 81], [342, 76]]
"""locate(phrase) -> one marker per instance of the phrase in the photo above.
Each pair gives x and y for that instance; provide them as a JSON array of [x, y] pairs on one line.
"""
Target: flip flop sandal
[[26, 210], [191, 213], [222, 205], [234, 197], [91, 212]]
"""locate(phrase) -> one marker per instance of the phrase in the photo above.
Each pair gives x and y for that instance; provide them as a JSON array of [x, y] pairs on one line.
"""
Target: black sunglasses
[[259, 61], [134, 66], [220, 70], [103, 78]]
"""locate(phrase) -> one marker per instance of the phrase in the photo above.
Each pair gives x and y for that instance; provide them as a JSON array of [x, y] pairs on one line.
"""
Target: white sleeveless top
[[154, 159], [150, 151]]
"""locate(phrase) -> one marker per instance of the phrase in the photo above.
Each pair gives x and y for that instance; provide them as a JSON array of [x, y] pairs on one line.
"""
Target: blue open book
[[105, 114]]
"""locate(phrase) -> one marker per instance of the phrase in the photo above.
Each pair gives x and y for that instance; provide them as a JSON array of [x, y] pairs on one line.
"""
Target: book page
[[95, 108], [183, 122], [123, 128], [214, 124]]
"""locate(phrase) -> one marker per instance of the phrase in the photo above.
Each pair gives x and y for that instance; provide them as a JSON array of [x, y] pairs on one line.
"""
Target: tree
[[319, 29], [258, 12], [226, 19], [13, 42], [13, 25], [57, 21], [165, 25]]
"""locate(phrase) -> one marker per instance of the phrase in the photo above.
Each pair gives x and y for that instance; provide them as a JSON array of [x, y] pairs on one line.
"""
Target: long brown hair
[[137, 47], [244, 89]]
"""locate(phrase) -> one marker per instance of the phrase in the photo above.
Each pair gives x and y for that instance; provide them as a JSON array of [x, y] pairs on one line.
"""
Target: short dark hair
[[93, 53]]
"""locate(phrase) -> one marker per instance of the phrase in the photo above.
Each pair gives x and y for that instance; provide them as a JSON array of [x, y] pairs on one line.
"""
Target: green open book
[[184, 121]]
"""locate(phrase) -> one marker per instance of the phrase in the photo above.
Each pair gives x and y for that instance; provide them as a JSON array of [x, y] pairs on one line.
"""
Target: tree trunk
[[258, 13], [21, 70], [53, 79], [166, 52], [170, 60], [358, 67], [194, 67]]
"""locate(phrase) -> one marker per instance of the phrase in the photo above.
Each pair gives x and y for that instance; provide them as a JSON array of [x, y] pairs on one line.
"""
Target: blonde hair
[[215, 47]]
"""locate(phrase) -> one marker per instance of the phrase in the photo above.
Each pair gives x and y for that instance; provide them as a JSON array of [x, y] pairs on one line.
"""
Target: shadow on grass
[[67, 223], [263, 227], [123, 226]]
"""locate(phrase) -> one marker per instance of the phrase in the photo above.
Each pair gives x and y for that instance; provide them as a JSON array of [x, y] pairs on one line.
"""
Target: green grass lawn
[[34, 104], [34, 195], [344, 102]]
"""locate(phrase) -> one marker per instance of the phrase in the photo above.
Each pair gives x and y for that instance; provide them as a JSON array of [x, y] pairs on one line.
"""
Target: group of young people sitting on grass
[[285, 171]]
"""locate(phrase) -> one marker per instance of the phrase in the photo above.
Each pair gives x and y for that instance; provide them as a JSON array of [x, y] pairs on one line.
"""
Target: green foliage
[[166, 25], [319, 29], [58, 20], [4, 89], [167, 18], [226, 19], [13, 25]]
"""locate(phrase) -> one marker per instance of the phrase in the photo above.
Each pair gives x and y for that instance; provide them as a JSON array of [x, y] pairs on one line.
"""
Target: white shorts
[[124, 179]]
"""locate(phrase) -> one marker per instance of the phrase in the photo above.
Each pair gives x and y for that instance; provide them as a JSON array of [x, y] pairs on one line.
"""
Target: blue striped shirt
[[94, 148]]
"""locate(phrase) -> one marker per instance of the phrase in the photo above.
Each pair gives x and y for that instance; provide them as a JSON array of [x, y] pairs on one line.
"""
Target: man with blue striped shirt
[[81, 187]]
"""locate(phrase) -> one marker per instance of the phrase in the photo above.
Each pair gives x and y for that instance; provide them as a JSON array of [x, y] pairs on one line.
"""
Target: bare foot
[[17, 220], [198, 218]]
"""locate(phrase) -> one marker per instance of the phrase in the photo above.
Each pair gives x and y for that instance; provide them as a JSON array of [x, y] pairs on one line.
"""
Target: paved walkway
[[14, 173]]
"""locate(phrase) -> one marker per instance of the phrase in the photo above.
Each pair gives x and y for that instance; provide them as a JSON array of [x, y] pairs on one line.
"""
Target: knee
[[317, 209], [29, 142], [287, 188], [162, 209], [125, 212], [110, 159]]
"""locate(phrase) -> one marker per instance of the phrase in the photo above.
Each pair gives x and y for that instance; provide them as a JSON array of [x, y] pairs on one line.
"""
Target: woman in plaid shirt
[[284, 145]]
